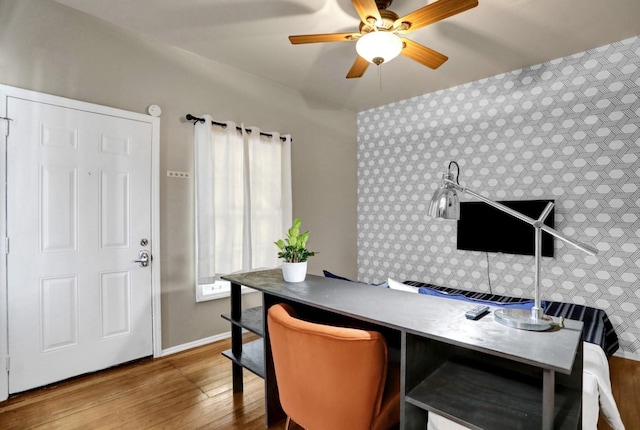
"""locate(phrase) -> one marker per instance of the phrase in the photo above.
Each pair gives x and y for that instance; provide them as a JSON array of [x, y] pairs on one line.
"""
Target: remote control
[[476, 312]]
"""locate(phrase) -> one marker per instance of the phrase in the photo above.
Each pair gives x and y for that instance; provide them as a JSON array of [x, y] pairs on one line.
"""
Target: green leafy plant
[[294, 248]]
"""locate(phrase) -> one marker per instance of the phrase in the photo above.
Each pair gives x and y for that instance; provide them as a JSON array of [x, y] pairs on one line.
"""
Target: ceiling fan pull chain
[[380, 77]]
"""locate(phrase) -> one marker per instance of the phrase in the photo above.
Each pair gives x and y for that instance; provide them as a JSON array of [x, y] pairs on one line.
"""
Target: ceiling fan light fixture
[[379, 47]]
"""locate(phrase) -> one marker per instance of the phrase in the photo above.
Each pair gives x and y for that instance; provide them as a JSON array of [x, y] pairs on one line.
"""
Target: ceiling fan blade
[[434, 12], [422, 54], [320, 38], [366, 9], [358, 68]]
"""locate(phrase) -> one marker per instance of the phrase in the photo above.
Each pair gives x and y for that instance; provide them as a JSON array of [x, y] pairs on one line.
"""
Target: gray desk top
[[432, 317]]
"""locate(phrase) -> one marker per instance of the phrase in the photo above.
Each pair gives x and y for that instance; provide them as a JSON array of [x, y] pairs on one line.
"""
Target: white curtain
[[243, 198]]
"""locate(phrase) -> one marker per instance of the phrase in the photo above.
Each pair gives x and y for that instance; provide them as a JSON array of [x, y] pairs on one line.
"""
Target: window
[[243, 201]]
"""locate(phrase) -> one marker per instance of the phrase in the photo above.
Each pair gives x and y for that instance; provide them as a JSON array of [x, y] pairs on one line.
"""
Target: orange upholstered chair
[[332, 378]]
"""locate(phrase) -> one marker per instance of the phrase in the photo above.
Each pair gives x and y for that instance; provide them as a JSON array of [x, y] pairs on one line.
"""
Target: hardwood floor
[[192, 390], [625, 385], [187, 390]]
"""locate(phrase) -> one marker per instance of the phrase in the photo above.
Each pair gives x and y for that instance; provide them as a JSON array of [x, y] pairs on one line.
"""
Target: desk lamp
[[445, 204]]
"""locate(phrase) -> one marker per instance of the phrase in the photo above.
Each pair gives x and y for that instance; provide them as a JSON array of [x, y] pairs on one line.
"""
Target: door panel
[[114, 210], [79, 203], [59, 313], [115, 304], [58, 222]]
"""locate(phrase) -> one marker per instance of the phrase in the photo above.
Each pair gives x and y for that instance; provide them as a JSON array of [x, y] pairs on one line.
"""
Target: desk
[[478, 373]]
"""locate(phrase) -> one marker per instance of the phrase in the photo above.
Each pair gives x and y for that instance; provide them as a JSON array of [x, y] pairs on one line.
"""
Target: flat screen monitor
[[484, 228]]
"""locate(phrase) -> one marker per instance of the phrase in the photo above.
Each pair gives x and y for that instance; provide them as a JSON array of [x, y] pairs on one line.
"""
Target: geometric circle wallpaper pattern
[[567, 130]]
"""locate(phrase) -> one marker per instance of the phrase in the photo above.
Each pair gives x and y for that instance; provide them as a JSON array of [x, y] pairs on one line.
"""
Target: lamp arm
[[581, 246]]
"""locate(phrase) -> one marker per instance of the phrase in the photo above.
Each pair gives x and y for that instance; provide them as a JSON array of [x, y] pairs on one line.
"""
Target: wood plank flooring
[[192, 390], [625, 385]]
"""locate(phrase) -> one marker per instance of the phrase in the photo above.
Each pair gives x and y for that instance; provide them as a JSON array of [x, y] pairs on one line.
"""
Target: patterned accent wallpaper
[[566, 130]]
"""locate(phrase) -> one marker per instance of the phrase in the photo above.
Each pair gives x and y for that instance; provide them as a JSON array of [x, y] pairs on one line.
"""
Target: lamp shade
[[379, 46], [445, 202]]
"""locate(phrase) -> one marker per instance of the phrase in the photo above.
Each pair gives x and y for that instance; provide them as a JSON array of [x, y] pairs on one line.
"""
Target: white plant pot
[[294, 272]]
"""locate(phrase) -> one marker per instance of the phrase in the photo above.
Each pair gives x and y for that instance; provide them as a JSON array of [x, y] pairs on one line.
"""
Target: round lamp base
[[522, 320]]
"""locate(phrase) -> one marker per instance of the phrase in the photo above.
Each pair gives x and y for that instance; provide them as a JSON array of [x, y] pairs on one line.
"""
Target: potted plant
[[294, 252]]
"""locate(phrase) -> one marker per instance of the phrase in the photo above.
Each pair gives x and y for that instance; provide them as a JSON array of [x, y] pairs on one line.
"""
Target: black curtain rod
[[223, 125]]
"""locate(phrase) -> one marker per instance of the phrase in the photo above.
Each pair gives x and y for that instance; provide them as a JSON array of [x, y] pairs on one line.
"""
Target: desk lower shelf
[[487, 397], [250, 319], [252, 357]]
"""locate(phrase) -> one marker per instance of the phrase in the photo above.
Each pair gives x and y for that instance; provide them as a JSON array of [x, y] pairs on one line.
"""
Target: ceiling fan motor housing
[[389, 18], [383, 4]]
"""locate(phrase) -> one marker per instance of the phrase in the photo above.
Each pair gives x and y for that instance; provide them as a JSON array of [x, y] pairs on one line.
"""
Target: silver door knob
[[143, 258]]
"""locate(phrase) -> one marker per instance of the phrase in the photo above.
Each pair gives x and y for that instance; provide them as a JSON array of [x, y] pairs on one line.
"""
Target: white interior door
[[78, 215]]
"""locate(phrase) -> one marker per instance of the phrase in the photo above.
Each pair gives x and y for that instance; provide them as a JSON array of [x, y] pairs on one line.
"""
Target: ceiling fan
[[378, 40]]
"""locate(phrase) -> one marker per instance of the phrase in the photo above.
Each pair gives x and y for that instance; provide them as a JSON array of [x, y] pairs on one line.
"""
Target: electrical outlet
[[216, 287], [176, 174]]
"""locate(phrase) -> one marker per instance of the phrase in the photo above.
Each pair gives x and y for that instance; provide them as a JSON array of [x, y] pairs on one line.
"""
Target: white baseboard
[[195, 343]]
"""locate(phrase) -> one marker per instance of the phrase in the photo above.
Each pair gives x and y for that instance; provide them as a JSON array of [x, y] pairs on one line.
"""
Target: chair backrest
[[328, 377]]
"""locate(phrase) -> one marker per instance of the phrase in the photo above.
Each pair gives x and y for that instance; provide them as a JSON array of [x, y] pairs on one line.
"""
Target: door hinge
[[5, 126], [8, 363], [6, 245]]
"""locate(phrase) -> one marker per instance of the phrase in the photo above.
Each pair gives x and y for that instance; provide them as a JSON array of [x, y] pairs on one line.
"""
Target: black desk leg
[[236, 336]]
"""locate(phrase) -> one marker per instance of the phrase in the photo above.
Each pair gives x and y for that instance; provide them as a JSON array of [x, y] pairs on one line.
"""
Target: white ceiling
[[251, 35]]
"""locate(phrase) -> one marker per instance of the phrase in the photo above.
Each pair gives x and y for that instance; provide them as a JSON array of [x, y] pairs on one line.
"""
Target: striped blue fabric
[[597, 326]]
